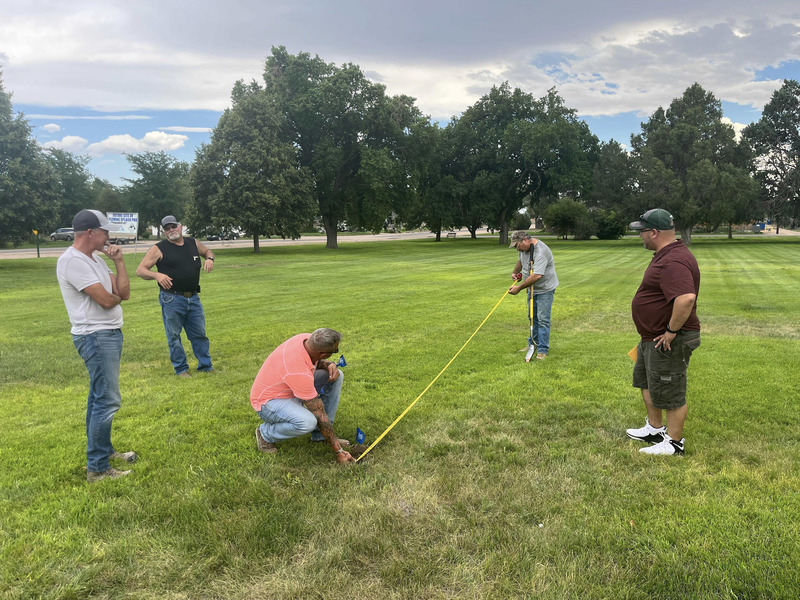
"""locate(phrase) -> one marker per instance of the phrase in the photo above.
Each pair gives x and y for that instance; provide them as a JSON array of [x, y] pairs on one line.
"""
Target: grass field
[[506, 480]]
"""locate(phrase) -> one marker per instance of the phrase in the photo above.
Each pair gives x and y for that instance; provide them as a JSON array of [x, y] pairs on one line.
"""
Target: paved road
[[143, 246]]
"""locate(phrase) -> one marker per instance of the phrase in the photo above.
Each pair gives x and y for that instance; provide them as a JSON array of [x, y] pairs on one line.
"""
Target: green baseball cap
[[656, 218]]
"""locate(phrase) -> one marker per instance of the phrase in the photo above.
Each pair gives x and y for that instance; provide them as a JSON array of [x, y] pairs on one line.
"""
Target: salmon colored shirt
[[287, 373]]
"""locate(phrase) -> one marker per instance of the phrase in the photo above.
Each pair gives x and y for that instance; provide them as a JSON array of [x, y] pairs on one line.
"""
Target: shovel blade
[[529, 353]]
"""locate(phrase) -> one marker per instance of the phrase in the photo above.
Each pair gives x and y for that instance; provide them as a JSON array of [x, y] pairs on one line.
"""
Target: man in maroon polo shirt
[[664, 312]]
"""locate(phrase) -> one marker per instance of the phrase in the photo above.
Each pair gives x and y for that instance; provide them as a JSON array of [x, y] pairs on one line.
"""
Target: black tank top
[[181, 263]]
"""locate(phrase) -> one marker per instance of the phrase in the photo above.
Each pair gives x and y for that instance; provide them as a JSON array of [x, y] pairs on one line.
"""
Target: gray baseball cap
[[169, 219], [92, 219]]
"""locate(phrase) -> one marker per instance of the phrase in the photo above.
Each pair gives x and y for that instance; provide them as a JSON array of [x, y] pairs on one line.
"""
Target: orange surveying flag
[[632, 353]]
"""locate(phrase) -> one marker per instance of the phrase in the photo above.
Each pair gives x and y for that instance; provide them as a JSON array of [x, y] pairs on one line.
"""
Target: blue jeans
[[542, 305], [101, 352], [185, 313], [287, 418]]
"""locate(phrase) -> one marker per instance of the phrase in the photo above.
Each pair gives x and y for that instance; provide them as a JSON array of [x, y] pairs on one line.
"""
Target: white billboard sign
[[127, 222]]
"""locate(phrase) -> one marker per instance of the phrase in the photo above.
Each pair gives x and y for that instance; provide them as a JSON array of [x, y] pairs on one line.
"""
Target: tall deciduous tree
[[516, 147], [28, 186], [161, 189], [247, 176], [682, 148], [775, 139], [347, 132], [74, 190]]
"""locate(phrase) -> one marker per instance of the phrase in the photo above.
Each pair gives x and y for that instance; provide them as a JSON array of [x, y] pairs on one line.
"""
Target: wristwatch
[[670, 330]]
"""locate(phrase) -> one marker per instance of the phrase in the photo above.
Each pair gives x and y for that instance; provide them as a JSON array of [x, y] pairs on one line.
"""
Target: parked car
[[224, 235], [65, 233]]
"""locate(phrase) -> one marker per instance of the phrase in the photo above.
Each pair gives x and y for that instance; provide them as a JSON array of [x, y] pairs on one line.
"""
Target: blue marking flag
[[360, 437]]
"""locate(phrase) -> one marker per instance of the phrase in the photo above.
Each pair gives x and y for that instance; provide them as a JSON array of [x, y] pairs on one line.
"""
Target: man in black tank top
[[178, 264]]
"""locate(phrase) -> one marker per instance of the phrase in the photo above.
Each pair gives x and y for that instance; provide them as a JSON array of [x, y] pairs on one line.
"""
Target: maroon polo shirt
[[672, 273]]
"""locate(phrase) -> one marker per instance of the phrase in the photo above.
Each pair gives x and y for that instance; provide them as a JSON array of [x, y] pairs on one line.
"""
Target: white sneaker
[[648, 433], [666, 447]]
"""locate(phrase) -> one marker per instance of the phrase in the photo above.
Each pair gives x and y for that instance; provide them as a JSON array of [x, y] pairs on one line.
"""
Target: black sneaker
[[648, 433]]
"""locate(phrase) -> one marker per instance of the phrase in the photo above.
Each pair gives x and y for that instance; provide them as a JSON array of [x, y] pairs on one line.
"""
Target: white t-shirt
[[75, 272]]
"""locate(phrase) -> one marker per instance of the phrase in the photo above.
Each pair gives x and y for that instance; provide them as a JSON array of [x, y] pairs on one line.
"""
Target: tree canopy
[[28, 185], [775, 138], [247, 175]]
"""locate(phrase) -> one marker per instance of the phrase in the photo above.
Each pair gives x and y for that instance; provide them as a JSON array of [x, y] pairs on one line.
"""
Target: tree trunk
[[331, 233], [256, 245], [686, 235], [503, 229], [730, 231], [438, 233]]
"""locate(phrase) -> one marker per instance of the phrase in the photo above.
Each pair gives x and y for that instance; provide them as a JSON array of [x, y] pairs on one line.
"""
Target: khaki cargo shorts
[[663, 372]]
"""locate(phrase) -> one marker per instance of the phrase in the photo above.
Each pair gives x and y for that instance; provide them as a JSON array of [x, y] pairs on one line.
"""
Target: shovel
[[531, 344]]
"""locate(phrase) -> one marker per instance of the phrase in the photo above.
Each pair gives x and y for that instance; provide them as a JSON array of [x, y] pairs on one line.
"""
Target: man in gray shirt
[[93, 294], [535, 271]]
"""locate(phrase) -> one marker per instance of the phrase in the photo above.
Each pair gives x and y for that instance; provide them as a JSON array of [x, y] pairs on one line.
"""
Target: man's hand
[[665, 339], [113, 252], [515, 289], [344, 457], [516, 276], [208, 265], [333, 371], [164, 280]]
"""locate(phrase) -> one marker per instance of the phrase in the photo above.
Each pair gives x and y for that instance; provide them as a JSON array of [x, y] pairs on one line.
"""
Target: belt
[[184, 294]]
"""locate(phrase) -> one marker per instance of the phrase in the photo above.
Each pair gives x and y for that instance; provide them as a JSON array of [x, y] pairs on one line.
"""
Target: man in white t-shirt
[[92, 294]]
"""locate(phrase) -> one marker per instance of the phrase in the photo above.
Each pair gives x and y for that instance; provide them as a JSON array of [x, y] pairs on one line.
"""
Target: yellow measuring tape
[[403, 414]]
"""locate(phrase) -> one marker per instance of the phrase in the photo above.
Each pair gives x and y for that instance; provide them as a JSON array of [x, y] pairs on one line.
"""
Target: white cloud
[[737, 127], [186, 129], [153, 141], [91, 117], [51, 127], [70, 143]]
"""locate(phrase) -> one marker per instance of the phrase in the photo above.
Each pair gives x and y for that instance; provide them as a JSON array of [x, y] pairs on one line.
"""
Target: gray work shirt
[[543, 264]]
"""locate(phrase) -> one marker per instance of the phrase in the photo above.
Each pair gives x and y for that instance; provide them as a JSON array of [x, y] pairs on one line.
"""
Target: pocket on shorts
[[165, 298], [667, 390]]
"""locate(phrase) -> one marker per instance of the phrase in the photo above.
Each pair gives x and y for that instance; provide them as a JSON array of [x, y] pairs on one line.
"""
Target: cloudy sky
[[105, 78]]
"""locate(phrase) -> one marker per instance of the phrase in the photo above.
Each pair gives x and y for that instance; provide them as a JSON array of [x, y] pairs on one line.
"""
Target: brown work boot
[[110, 473], [126, 456], [184, 374], [263, 444]]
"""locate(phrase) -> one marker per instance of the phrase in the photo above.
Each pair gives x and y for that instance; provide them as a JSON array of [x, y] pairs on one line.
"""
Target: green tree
[[515, 147], [28, 186], [161, 189], [247, 177], [775, 139], [347, 132], [680, 148], [569, 217], [107, 197], [615, 181], [74, 190]]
